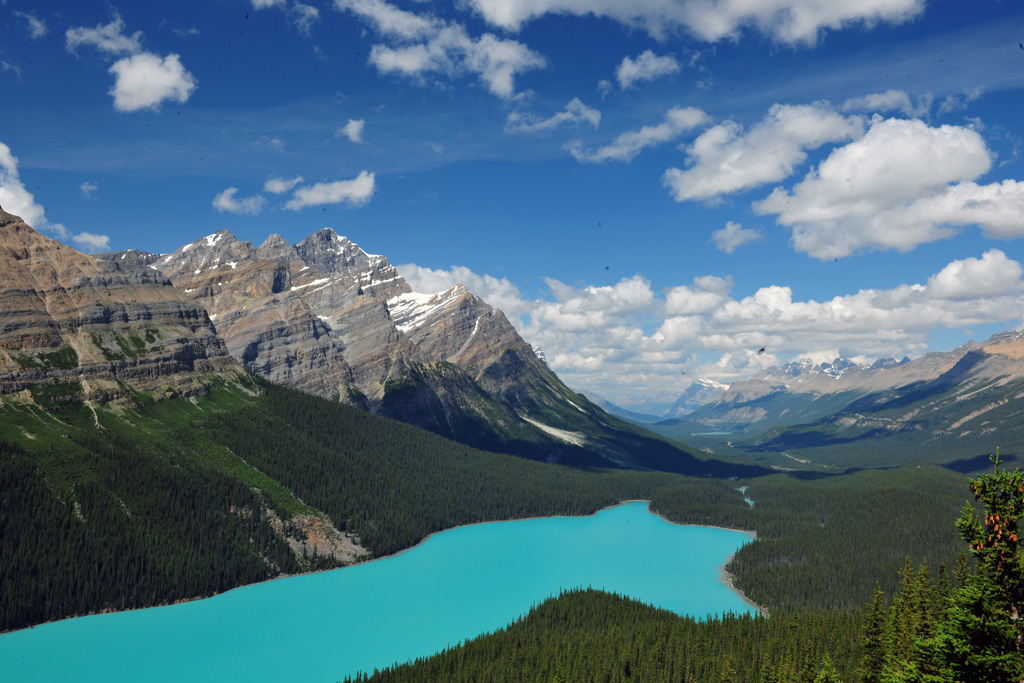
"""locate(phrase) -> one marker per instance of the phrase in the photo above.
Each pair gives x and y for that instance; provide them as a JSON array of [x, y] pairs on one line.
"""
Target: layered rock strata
[[101, 328]]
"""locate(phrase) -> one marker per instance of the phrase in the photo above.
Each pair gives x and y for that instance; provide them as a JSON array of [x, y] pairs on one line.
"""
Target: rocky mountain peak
[[275, 248], [210, 252], [333, 254], [96, 325]]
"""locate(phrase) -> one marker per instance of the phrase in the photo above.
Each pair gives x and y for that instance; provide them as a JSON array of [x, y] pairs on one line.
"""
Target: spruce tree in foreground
[[981, 636]]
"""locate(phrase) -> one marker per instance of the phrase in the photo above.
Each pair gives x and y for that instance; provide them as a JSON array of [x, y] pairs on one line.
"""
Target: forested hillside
[[113, 507]]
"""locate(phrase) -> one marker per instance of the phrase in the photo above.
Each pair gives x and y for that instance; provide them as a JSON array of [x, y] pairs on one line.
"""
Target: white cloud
[[784, 21], [390, 21], [992, 275], [17, 200], [356, 192], [677, 121], [144, 81], [304, 17], [498, 292], [733, 236], [646, 67], [90, 243], [890, 100], [267, 4], [14, 198], [225, 202], [109, 38], [627, 338], [423, 45], [353, 130], [36, 26], [281, 185], [726, 159], [87, 189], [574, 113], [901, 185]]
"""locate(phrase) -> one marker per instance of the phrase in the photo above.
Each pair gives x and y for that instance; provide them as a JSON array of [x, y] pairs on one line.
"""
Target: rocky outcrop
[[99, 327]]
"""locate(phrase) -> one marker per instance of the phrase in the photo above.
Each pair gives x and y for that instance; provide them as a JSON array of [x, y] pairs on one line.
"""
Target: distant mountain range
[[943, 407]]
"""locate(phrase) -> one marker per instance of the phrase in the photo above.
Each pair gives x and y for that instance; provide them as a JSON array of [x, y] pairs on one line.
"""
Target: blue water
[[452, 587]]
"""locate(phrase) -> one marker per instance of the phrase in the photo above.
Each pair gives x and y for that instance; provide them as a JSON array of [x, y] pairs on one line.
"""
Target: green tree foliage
[[587, 635], [170, 500], [973, 633], [981, 637]]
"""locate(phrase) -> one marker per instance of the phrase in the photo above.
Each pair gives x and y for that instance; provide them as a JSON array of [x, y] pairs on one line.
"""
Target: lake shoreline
[[724, 576]]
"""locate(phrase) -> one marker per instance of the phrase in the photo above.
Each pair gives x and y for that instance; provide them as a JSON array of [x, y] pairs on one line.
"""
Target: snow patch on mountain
[[413, 310]]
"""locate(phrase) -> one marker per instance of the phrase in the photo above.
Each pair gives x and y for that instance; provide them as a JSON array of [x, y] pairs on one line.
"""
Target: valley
[[175, 426]]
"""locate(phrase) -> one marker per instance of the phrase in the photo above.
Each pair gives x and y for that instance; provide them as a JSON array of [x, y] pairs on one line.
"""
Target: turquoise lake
[[452, 587]]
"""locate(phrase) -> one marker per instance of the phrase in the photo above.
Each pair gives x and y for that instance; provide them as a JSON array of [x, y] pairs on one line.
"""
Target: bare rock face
[[312, 316], [96, 325], [325, 317], [457, 327], [254, 298]]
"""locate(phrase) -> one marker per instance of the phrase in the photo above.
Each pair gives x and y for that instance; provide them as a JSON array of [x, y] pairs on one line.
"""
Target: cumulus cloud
[[421, 46], [145, 81], [733, 236], [90, 243], [36, 26], [904, 183], [355, 192], [784, 21], [281, 185], [225, 202], [994, 274], [646, 67], [726, 159], [677, 121], [574, 113], [890, 100], [88, 189], [629, 338], [266, 4], [16, 199], [353, 130]]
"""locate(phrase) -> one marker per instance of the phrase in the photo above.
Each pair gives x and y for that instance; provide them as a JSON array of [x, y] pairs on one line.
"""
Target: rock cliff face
[[95, 327], [325, 317], [311, 316]]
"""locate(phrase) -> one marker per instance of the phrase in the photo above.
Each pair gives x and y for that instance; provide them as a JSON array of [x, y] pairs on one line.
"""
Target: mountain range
[[943, 407], [321, 316]]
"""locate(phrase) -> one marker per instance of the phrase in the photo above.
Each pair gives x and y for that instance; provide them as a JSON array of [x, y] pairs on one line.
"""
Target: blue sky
[[652, 190]]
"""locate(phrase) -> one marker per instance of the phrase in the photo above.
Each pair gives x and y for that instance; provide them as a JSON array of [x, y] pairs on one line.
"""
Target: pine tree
[[981, 638], [873, 661], [828, 673]]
